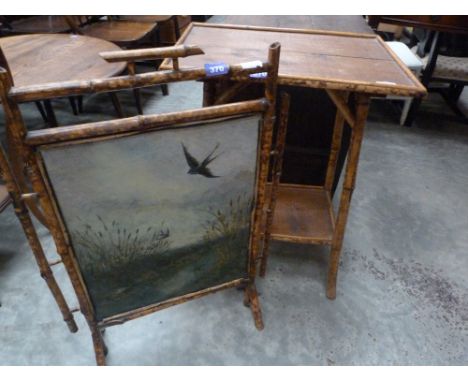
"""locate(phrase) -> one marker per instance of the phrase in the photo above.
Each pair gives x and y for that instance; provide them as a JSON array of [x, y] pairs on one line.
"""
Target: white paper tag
[[251, 64]]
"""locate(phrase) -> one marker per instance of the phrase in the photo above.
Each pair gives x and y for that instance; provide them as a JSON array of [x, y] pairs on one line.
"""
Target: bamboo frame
[[28, 145]]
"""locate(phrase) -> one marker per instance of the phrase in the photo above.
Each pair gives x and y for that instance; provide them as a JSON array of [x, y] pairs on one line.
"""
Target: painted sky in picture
[[143, 179]]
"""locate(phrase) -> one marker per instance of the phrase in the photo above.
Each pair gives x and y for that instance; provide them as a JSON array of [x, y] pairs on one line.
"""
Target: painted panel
[[158, 215]]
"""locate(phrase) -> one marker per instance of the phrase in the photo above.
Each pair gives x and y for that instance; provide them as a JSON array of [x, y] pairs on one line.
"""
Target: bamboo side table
[[350, 68]]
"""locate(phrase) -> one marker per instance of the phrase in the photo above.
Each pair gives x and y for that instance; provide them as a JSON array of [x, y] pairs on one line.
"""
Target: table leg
[[362, 109]]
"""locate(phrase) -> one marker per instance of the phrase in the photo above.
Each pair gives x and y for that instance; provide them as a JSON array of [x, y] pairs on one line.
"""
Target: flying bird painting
[[200, 168]]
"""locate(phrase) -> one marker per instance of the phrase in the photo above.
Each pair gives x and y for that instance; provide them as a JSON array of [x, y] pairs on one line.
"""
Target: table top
[[318, 59], [42, 58]]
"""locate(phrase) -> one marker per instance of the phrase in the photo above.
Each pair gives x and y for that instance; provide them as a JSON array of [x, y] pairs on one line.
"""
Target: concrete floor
[[402, 288]]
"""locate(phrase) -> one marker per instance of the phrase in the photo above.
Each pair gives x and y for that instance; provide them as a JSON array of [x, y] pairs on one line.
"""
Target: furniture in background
[[50, 58], [414, 64], [124, 33], [34, 24], [350, 68], [139, 275], [440, 68], [170, 26], [41, 58]]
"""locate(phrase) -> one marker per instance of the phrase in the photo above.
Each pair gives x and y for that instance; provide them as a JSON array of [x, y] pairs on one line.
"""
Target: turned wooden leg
[[51, 118], [117, 105], [41, 111], [80, 104], [137, 96], [252, 297], [362, 109], [73, 105]]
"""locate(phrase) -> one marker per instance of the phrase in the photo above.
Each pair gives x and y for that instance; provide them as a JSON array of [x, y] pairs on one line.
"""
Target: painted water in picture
[[158, 215]]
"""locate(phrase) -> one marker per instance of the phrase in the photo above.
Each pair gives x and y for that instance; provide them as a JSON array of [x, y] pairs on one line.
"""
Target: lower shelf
[[303, 214]]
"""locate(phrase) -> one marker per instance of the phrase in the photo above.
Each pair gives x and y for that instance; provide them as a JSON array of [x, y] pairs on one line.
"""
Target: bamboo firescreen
[[151, 211]]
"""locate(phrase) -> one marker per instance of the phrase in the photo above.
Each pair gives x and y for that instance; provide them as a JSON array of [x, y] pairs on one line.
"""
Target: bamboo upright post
[[34, 242], [276, 176], [362, 109]]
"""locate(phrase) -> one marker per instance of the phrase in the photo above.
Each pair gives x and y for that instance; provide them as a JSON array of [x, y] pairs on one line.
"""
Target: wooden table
[[41, 58], [350, 68]]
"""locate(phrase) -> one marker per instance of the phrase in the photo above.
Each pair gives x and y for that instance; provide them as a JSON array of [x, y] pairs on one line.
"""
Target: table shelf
[[303, 214]]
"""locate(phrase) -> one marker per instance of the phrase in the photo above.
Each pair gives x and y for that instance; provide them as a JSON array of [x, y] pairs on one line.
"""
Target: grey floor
[[402, 288]]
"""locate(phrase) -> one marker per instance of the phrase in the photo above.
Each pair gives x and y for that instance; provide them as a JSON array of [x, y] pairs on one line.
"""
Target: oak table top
[[319, 59], [42, 58]]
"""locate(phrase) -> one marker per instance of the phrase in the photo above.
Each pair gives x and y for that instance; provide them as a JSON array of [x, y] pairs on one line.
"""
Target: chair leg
[[413, 110], [80, 104], [52, 120], [41, 111], [137, 95], [73, 105], [117, 105], [251, 298]]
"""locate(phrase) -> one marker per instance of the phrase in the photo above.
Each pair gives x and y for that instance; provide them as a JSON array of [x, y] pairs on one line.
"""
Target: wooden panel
[[308, 58], [37, 59], [303, 214]]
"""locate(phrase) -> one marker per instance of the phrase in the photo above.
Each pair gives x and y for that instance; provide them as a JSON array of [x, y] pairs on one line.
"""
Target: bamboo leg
[[100, 348], [335, 149], [362, 109], [254, 304], [277, 166], [36, 247], [209, 93], [246, 298]]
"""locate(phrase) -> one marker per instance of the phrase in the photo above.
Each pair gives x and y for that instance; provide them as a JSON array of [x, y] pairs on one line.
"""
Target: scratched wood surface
[[320, 59], [42, 58]]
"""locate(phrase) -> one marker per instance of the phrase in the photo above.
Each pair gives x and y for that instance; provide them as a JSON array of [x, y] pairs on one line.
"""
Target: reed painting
[[158, 215]]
